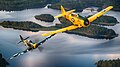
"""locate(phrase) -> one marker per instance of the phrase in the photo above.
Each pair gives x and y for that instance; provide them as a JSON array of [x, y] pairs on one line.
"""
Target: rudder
[[63, 10]]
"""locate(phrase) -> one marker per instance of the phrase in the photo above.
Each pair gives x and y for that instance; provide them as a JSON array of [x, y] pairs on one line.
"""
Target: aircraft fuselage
[[76, 20], [28, 44]]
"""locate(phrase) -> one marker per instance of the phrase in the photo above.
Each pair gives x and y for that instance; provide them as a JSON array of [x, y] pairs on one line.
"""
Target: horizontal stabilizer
[[71, 11], [60, 15], [22, 39]]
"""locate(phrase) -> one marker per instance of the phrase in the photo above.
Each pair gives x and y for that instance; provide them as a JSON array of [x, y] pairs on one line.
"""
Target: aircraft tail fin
[[22, 39], [63, 12]]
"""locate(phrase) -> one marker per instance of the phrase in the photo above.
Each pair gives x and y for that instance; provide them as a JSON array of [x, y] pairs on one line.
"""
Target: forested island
[[25, 25], [45, 17], [79, 5], [106, 21], [108, 63], [92, 31]]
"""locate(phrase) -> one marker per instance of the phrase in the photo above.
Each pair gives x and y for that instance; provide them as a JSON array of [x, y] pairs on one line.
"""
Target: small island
[[108, 63], [45, 17], [25, 25], [94, 31], [106, 21]]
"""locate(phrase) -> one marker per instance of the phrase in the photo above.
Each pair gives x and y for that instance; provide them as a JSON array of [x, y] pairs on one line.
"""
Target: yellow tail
[[63, 12]]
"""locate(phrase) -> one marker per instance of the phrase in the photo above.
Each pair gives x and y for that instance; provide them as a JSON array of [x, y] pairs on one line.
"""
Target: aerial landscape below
[[59, 33], [93, 31]]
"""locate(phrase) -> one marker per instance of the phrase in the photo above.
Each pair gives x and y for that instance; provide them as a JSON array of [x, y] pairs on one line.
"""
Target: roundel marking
[[73, 20]]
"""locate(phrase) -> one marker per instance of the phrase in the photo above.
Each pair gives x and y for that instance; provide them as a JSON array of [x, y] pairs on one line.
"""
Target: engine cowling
[[86, 22]]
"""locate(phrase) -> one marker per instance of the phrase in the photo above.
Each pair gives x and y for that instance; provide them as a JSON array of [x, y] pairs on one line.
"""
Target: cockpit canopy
[[74, 15], [77, 15], [28, 41]]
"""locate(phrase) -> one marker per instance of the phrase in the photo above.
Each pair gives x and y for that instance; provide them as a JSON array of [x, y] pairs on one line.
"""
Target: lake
[[62, 50]]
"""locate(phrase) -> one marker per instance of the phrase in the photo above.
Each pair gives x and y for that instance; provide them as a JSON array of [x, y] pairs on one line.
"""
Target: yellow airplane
[[30, 45], [76, 19]]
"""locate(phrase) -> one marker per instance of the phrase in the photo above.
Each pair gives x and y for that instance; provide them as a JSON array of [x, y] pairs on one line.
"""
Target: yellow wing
[[61, 30], [94, 17]]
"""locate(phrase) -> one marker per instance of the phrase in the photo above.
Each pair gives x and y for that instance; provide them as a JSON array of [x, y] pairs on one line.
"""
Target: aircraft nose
[[86, 23]]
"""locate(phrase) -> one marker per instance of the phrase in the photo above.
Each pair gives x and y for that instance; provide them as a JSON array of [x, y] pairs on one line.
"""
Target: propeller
[[40, 49], [22, 39]]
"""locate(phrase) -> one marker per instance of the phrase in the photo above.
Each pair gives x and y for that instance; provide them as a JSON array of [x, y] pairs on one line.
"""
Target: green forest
[[79, 5], [13, 5], [108, 63]]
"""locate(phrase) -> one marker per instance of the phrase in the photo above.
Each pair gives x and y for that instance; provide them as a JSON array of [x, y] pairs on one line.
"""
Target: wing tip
[[44, 35], [61, 6], [111, 6], [55, 17]]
